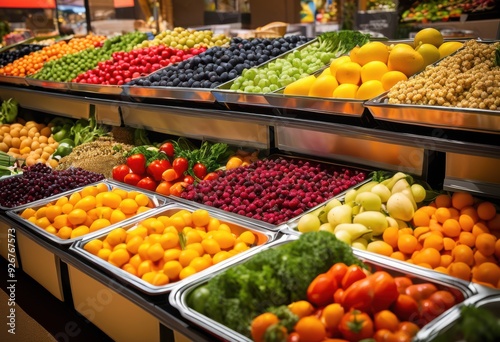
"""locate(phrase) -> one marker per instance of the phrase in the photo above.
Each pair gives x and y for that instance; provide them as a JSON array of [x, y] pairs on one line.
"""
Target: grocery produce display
[[11, 55], [87, 210], [369, 70], [40, 181], [301, 63], [33, 62], [274, 190], [454, 234], [467, 79], [172, 245], [220, 64]]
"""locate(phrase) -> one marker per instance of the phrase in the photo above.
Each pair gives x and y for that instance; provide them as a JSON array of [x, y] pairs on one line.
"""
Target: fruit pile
[[125, 66], [182, 39], [33, 62], [375, 67], [274, 191], [164, 249], [11, 55], [30, 141], [92, 208], [40, 181], [220, 64], [71, 65], [350, 303]]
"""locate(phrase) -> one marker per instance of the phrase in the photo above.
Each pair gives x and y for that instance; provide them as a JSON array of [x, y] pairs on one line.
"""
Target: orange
[[169, 240], [372, 51], [460, 200], [186, 272], [451, 228], [210, 246], [480, 228], [99, 224], [221, 256], [463, 253], [429, 256], [487, 272], [52, 211], [467, 238], [93, 246], [171, 254], [446, 260], [448, 243], [128, 267], [485, 243], [134, 243], [466, 222], [119, 257], [486, 211], [224, 238], [479, 258], [200, 217], [323, 86], [186, 256], [247, 237], [200, 263], [311, 329], [330, 316], [79, 231], [442, 214], [128, 206], [77, 216], [373, 70], [386, 319], [172, 269], [197, 247], [337, 62], [390, 78], [421, 218], [86, 203], [408, 61], [407, 243], [390, 236], [460, 270], [345, 91], [116, 236], [349, 72], [443, 200], [399, 256], [302, 308], [369, 89], [434, 241]]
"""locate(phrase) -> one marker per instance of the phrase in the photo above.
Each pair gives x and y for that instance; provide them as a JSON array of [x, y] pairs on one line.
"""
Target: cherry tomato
[[147, 183], [188, 179], [443, 299], [421, 291], [356, 325], [168, 149], [402, 283], [321, 289], [338, 295], [385, 291], [359, 295], [178, 188], [293, 337], [137, 163], [180, 165], [430, 310], [353, 274], [211, 176], [409, 328], [132, 178], [156, 168], [120, 171], [406, 308], [338, 270], [199, 170]]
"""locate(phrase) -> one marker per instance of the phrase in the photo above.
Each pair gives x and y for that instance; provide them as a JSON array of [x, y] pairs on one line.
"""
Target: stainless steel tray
[[178, 296], [13, 80], [95, 88], [263, 237], [169, 93], [469, 119], [334, 106], [157, 201], [47, 84]]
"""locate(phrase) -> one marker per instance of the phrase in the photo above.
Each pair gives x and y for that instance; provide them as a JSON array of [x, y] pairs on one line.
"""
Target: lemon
[[448, 48], [323, 86], [353, 55], [373, 51], [429, 52], [369, 89], [373, 70], [399, 46], [390, 78], [349, 72], [300, 87], [408, 61], [334, 65], [428, 36], [345, 91], [327, 71]]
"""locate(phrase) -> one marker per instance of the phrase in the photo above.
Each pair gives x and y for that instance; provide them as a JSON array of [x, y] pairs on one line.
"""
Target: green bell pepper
[[61, 133], [65, 147]]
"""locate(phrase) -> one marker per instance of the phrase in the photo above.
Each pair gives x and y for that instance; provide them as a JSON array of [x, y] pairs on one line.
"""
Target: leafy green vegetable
[[140, 137], [9, 165], [475, 324], [343, 41], [85, 131], [287, 318], [272, 278]]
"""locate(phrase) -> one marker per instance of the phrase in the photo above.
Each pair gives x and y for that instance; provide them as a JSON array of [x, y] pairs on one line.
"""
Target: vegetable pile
[[273, 277], [8, 111]]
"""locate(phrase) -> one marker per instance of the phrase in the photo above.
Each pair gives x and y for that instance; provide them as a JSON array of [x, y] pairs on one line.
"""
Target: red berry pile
[[126, 66]]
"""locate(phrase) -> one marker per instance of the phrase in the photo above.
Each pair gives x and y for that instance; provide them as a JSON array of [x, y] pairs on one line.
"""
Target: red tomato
[[385, 290], [421, 291], [406, 308], [359, 295], [293, 337], [180, 165], [137, 163], [353, 274], [211, 176], [157, 167], [120, 171], [147, 183], [338, 270], [443, 299], [402, 283], [132, 178], [189, 179], [168, 149], [429, 310], [199, 170], [338, 295], [356, 326], [321, 289]]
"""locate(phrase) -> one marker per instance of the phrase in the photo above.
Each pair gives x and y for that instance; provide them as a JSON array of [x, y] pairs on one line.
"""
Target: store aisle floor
[[46, 318]]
